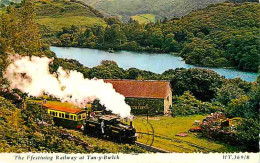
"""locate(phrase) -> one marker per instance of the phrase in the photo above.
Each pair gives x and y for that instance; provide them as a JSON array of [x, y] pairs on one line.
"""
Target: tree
[[155, 37], [114, 34], [186, 104], [112, 20], [203, 84], [199, 52], [66, 39], [137, 74], [19, 31], [170, 45], [107, 70]]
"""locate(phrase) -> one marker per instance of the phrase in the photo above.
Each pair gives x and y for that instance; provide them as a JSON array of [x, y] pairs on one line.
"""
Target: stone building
[[155, 95]]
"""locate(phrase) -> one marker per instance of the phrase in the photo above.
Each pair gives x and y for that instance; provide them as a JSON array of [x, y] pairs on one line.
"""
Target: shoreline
[[156, 53]]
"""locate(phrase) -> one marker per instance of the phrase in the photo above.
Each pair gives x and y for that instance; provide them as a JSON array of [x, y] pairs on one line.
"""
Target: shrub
[[241, 107], [248, 134], [228, 92], [187, 104]]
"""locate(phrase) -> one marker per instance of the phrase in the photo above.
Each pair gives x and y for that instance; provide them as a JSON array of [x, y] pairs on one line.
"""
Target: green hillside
[[21, 131], [223, 34], [53, 15], [57, 14], [163, 8]]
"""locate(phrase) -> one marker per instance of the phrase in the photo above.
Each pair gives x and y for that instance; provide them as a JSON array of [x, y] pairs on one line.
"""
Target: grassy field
[[56, 24], [165, 129], [144, 18]]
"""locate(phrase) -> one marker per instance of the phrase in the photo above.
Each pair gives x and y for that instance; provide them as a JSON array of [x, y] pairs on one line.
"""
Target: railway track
[[200, 148], [151, 148]]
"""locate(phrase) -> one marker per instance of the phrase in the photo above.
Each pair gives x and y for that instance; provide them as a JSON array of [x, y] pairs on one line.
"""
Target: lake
[[157, 63]]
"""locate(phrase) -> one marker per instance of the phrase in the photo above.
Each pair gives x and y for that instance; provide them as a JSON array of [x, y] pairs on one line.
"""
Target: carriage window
[[56, 114], [67, 116], [59, 114], [79, 116], [62, 115], [75, 118], [71, 116]]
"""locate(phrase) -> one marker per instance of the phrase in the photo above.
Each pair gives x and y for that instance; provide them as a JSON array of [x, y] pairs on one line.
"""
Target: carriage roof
[[62, 108]]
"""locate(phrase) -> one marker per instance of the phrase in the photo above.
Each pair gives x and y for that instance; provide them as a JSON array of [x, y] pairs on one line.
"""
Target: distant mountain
[[160, 8]]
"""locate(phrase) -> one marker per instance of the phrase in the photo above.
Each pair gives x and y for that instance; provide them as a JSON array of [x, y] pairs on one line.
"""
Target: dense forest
[[223, 34], [203, 38], [196, 91]]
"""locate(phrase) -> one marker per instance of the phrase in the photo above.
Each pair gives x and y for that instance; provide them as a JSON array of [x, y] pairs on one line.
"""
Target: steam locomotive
[[98, 123], [111, 126]]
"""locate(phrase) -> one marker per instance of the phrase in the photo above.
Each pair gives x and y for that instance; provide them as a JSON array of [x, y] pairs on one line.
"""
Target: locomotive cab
[[111, 126]]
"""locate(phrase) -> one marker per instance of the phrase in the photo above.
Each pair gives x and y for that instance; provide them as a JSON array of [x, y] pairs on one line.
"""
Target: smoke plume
[[31, 75]]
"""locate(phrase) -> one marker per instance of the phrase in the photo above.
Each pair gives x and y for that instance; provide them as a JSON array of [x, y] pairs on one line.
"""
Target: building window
[[67, 116]]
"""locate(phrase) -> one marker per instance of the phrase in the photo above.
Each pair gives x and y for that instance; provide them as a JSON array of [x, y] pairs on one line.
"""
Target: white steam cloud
[[31, 75]]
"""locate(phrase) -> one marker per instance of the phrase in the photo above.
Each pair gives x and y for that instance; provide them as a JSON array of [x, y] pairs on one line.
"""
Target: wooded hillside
[[164, 8]]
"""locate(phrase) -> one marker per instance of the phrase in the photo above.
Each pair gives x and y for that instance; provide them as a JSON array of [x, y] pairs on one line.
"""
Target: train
[[93, 122], [110, 126]]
